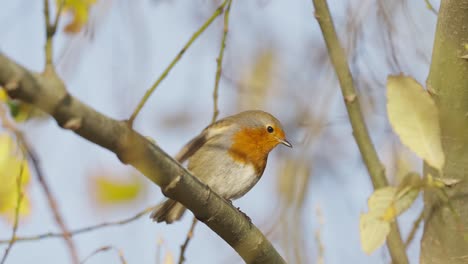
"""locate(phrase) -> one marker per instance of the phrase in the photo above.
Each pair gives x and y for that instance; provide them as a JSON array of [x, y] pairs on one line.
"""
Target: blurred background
[[109, 52]]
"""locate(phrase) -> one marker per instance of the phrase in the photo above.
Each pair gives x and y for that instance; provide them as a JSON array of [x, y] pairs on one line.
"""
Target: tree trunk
[[445, 238]]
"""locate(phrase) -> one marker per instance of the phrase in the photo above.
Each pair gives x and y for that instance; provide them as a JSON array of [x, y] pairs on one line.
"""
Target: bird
[[229, 156]]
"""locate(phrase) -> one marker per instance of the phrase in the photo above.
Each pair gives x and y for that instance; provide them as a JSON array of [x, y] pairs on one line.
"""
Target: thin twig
[[57, 17], [49, 34], [415, 228], [430, 7], [50, 198], [187, 240], [318, 237], [51, 29], [104, 249], [52, 204], [195, 35], [360, 132], [46, 13], [219, 63], [12, 240], [84, 229]]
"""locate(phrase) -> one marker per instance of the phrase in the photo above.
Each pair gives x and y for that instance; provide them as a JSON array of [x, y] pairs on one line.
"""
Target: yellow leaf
[[404, 199], [381, 200], [11, 163], [3, 95], [403, 164], [415, 118], [389, 202], [80, 11], [373, 232], [11, 166], [109, 190], [411, 179], [9, 203], [389, 214]]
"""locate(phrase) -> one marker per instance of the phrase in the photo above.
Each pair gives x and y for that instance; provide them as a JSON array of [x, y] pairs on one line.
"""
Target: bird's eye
[[270, 129]]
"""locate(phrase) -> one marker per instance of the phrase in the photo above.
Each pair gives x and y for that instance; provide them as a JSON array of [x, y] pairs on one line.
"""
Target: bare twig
[[57, 17], [187, 240], [430, 7], [51, 29], [49, 66], [416, 225], [42, 181], [52, 204], [360, 132], [195, 35], [104, 249], [219, 62], [12, 240], [318, 237], [84, 229]]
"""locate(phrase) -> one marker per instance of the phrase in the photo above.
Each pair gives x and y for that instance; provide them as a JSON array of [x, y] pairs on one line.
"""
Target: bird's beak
[[285, 142]]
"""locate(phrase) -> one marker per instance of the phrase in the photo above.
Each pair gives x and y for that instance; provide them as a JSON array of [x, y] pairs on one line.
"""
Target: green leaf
[[415, 118], [373, 232]]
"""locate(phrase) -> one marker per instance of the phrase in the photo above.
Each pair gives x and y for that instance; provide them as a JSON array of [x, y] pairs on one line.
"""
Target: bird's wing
[[195, 144], [191, 147]]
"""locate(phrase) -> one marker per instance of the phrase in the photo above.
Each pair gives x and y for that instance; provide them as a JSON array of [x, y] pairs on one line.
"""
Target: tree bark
[[445, 238]]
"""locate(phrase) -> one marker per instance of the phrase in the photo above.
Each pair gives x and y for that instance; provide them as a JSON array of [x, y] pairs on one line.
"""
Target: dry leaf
[[415, 118], [373, 232]]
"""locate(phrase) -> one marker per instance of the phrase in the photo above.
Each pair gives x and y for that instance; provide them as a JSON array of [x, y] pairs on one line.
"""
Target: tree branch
[[360, 132], [444, 238], [48, 93]]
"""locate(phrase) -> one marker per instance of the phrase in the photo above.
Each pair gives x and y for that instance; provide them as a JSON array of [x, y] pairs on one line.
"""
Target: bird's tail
[[168, 211]]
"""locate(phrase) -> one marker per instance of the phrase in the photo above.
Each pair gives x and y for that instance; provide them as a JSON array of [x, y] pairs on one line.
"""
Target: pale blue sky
[[132, 44]]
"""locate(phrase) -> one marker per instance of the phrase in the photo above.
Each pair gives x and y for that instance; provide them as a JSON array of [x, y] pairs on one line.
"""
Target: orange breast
[[252, 145]]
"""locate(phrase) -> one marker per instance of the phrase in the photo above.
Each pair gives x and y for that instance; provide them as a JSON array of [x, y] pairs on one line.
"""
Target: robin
[[229, 156]]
